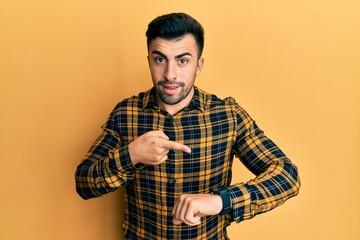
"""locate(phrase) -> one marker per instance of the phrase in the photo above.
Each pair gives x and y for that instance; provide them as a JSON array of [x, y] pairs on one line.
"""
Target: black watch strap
[[222, 191]]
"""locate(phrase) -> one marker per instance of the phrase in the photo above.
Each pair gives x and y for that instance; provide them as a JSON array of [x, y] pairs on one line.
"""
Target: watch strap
[[223, 192]]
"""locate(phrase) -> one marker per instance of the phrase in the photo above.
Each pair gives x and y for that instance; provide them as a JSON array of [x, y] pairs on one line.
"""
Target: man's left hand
[[190, 208]]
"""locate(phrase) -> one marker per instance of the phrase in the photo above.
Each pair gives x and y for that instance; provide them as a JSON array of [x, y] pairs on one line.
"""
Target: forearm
[[276, 176], [106, 167], [265, 192]]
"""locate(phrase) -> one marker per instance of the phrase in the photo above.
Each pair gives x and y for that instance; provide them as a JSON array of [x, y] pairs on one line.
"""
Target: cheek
[[155, 71], [191, 74], [189, 71]]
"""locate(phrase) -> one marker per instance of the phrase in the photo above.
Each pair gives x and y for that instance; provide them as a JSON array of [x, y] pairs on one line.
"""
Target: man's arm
[[276, 176], [105, 168], [111, 164], [276, 180]]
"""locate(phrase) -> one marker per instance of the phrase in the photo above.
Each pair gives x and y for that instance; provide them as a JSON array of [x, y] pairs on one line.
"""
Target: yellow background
[[293, 65]]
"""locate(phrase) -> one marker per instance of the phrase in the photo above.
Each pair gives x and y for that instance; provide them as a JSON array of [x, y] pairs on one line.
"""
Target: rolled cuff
[[241, 202]]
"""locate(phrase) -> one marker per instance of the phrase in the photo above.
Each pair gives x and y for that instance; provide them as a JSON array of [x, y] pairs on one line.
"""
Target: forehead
[[176, 46]]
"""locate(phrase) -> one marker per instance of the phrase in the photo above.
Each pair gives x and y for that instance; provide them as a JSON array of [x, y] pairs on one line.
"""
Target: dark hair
[[175, 25]]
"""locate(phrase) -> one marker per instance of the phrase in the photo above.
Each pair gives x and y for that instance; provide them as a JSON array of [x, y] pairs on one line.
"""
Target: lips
[[170, 89]]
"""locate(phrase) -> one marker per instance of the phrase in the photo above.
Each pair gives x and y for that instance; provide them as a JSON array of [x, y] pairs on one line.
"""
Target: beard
[[173, 99]]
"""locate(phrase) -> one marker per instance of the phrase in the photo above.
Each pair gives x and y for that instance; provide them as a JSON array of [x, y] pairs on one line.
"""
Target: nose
[[170, 73]]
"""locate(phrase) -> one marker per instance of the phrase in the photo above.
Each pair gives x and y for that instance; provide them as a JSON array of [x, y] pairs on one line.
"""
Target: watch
[[223, 192]]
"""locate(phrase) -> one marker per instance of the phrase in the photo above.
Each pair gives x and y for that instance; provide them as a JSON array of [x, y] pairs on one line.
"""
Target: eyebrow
[[176, 57]]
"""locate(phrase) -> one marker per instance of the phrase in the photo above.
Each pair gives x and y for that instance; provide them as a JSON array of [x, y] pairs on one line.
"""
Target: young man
[[172, 148]]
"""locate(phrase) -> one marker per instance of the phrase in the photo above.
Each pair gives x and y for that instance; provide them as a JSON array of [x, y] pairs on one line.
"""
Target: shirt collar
[[198, 101]]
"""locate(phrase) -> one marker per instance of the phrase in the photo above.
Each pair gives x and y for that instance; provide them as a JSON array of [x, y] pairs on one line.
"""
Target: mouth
[[170, 89]]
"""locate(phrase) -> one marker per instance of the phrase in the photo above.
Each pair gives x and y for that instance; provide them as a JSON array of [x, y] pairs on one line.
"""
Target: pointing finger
[[171, 145], [179, 146]]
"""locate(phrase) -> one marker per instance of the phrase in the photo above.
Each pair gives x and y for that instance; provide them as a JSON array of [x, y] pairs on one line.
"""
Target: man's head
[[175, 43], [176, 25]]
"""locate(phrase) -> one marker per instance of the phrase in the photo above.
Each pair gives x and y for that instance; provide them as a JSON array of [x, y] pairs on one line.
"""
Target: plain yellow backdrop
[[293, 65]]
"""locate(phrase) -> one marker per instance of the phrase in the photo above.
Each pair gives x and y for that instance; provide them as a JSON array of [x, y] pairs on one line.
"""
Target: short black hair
[[175, 25]]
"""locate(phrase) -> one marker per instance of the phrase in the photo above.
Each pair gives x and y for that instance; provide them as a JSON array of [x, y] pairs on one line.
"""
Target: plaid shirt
[[216, 131]]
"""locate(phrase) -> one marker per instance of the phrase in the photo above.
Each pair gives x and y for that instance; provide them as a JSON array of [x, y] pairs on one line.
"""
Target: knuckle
[[158, 158], [189, 219], [183, 197]]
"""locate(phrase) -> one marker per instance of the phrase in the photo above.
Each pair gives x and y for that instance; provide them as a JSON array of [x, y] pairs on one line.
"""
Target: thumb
[[176, 221]]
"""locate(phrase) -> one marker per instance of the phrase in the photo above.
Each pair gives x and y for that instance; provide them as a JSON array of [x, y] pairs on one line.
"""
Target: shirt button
[[172, 180]]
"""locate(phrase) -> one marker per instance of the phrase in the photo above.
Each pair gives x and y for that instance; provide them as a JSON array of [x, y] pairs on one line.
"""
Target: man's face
[[174, 65]]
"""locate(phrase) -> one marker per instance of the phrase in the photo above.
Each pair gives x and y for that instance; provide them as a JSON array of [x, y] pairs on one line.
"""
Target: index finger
[[171, 145]]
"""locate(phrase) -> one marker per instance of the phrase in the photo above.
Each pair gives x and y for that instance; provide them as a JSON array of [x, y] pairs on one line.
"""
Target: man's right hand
[[152, 148]]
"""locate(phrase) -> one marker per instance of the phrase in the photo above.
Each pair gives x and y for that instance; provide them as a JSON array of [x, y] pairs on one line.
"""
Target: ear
[[199, 67]]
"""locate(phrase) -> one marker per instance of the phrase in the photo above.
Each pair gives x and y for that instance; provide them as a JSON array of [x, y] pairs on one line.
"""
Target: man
[[172, 148]]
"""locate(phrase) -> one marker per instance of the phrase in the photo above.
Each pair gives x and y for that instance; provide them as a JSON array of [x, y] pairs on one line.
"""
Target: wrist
[[223, 192], [131, 154]]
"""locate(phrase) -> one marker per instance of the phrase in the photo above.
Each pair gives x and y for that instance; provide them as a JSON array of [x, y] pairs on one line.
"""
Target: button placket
[[171, 155]]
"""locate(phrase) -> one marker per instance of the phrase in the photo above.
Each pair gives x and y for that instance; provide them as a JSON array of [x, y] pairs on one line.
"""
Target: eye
[[183, 61], [160, 60]]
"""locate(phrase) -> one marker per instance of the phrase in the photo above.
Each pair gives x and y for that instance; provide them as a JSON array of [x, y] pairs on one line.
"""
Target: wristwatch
[[222, 191]]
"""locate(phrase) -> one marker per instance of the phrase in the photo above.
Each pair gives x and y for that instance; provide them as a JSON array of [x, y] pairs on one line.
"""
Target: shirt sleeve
[[276, 176], [107, 166]]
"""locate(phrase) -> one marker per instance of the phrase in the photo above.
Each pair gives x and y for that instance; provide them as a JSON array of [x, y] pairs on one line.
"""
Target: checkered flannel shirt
[[216, 131]]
